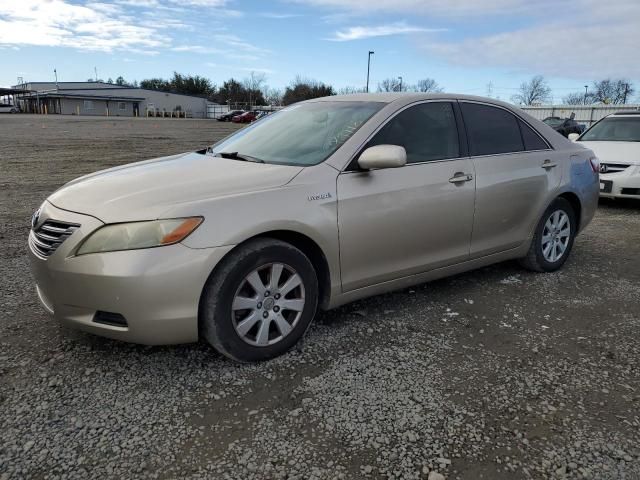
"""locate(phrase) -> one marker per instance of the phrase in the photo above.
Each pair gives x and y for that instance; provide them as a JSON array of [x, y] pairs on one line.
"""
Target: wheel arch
[[302, 242], [576, 204]]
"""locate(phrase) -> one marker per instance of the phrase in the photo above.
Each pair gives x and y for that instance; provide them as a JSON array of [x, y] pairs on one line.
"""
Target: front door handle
[[547, 164], [460, 177]]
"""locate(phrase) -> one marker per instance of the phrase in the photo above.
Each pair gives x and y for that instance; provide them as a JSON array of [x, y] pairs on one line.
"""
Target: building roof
[[58, 94], [12, 91]]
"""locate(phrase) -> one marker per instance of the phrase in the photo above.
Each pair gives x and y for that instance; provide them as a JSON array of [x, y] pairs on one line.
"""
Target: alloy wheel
[[268, 304], [555, 236]]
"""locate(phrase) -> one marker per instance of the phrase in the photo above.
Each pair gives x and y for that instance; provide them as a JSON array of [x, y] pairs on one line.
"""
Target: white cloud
[[398, 28], [585, 39], [428, 7], [279, 16], [598, 40], [236, 42], [94, 26], [202, 3]]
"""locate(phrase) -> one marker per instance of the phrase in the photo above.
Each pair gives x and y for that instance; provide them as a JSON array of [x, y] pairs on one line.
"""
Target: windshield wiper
[[239, 156]]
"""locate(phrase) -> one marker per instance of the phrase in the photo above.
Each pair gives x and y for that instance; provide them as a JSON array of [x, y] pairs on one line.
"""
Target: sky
[[481, 47]]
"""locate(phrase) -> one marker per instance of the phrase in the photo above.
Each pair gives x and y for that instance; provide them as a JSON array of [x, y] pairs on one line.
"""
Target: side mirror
[[573, 136], [383, 156]]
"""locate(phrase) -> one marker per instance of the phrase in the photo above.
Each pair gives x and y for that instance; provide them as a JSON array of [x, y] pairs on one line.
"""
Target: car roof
[[407, 97], [625, 114]]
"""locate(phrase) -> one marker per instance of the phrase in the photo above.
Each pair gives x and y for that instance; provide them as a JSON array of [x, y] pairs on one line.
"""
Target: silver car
[[325, 202]]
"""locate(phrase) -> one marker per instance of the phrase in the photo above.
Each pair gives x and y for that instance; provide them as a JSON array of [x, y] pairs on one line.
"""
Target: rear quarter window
[[532, 140]]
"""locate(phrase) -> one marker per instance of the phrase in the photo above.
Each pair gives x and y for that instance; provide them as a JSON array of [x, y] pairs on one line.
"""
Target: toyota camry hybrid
[[325, 202]]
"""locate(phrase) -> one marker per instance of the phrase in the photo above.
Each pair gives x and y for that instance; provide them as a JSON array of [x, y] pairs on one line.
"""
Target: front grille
[[49, 236], [613, 167], [630, 191]]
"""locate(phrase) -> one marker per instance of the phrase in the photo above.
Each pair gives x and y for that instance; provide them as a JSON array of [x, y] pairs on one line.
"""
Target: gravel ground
[[496, 374]]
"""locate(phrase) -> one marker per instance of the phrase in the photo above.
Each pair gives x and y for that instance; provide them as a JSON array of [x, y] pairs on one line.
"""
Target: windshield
[[553, 122], [304, 134], [614, 129]]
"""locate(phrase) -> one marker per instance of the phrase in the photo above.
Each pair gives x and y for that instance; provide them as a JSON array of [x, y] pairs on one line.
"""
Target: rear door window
[[491, 130]]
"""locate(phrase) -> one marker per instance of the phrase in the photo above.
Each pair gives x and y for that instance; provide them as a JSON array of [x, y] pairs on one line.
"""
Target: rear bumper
[[156, 290], [625, 184]]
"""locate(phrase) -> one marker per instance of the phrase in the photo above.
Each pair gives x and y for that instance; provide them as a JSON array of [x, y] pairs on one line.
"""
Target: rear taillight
[[595, 164]]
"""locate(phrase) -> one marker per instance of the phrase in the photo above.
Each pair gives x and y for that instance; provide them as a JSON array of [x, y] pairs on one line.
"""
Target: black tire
[[535, 260], [216, 318]]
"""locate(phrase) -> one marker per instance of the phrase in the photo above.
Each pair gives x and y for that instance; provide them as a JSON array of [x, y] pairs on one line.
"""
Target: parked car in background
[[329, 201], [8, 108], [246, 117], [616, 141], [262, 114], [564, 126], [229, 115]]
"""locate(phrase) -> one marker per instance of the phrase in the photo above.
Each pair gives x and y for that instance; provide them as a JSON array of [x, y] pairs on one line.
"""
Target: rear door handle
[[547, 164], [460, 177]]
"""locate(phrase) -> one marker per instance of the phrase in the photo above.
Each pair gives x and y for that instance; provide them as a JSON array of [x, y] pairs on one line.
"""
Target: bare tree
[[616, 91], [392, 84], [348, 90], [576, 98], [273, 96], [428, 85], [253, 85], [255, 81], [532, 92]]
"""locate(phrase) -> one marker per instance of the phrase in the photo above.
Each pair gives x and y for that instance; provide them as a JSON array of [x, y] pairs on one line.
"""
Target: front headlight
[[136, 235]]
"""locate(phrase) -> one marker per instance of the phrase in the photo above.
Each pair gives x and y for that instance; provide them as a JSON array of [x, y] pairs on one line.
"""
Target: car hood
[[615, 152], [144, 190]]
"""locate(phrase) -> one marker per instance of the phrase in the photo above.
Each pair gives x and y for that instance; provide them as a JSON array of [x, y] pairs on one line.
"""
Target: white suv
[[616, 141]]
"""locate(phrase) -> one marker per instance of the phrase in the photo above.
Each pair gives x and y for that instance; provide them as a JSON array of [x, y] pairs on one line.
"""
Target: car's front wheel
[[260, 301], [553, 238]]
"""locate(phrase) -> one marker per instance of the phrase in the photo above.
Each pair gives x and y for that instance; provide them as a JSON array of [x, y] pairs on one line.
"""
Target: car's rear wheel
[[553, 238], [260, 301]]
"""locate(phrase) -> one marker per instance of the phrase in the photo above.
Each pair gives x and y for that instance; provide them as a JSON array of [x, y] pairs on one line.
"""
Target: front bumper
[[156, 290], [625, 184]]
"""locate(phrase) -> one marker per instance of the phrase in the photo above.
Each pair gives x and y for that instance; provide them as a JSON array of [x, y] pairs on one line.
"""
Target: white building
[[99, 98]]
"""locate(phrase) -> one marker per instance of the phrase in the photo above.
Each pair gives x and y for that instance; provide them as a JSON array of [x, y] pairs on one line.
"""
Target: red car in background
[[246, 117]]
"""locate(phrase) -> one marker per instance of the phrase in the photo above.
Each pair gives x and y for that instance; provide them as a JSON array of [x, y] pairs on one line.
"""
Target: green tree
[[305, 89], [155, 84]]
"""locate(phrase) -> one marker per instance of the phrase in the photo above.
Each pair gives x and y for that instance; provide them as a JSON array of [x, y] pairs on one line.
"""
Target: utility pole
[[400, 78], [586, 89], [489, 89], [369, 67], [96, 72]]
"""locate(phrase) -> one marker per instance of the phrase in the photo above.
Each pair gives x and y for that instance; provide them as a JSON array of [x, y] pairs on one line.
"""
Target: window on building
[[122, 106], [491, 130], [427, 132], [88, 104]]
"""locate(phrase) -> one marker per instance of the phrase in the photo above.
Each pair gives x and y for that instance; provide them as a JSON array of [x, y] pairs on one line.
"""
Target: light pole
[[56, 74], [369, 67], [400, 78], [586, 88]]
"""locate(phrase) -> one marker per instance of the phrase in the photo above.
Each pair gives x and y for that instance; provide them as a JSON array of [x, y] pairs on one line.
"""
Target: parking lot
[[497, 374]]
